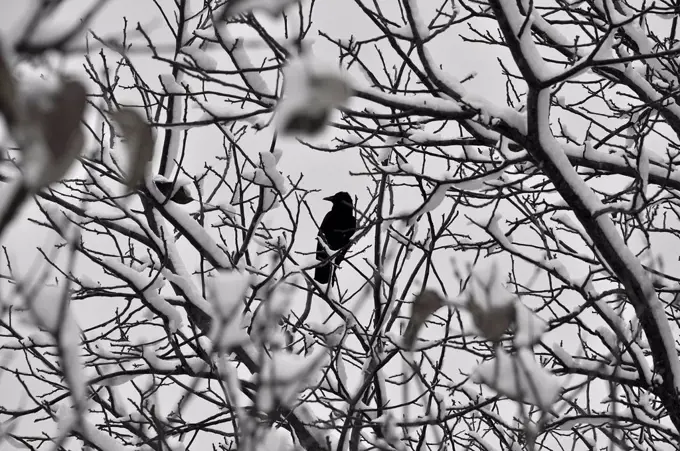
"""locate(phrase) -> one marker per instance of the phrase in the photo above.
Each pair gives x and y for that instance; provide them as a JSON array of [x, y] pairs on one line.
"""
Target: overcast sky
[[328, 172]]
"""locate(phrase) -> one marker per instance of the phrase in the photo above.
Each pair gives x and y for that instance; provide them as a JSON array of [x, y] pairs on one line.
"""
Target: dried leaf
[[492, 321], [425, 304], [61, 122], [181, 195], [489, 302], [140, 142], [305, 122], [57, 119], [7, 91]]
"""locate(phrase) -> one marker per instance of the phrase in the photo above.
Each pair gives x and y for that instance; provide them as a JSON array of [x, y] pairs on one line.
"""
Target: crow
[[336, 230]]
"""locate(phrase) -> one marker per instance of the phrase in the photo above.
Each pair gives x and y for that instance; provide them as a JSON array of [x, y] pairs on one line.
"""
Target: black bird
[[336, 230]]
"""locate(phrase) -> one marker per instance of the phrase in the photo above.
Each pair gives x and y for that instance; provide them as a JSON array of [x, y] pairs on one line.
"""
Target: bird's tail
[[322, 274]]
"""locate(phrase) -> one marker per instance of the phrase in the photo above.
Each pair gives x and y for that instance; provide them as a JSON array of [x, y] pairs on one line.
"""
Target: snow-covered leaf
[[312, 90], [226, 292], [529, 328], [519, 378]]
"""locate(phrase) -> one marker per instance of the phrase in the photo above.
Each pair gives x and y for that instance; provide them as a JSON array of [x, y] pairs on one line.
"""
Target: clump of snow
[[421, 136], [418, 21], [493, 309], [265, 320], [207, 33], [200, 58], [384, 154], [148, 287], [170, 84], [433, 199], [495, 231], [115, 374], [563, 355], [556, 265], [269, 177], [226, 111]]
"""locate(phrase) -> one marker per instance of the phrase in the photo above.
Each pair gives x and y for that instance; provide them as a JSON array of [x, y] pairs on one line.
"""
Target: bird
[[336, 230]]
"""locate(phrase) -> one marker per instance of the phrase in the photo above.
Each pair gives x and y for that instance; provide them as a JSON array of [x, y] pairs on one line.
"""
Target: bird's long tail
[[322, 274]]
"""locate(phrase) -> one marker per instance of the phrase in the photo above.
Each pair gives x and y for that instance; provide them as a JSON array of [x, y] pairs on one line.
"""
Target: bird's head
[[340, 198]]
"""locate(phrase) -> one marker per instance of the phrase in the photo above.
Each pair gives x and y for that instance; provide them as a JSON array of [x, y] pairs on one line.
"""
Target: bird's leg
[[333, 279]]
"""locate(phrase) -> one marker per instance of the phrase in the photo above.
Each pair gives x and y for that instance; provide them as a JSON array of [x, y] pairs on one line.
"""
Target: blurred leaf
[[140, 142], [7, 91], [424, 305], [61, 121], [57, 117], [333, 88], [492, 321], [305, 122], [312, 90], [273, 7], [13, 197]]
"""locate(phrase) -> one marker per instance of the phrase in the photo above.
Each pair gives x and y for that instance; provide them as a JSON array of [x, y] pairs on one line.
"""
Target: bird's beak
[[329, 199]]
